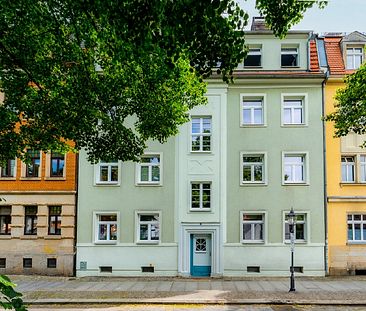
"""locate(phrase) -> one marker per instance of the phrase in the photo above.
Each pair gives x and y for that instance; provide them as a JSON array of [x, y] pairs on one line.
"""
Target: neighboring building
[[213, 200], [37, 215], [346, 165]]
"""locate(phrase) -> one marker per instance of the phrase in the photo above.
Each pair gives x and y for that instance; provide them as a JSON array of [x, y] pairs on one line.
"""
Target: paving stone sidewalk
[[45, 290]]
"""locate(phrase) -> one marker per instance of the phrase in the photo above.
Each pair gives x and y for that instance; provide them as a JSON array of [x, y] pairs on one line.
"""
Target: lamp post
[[291, 222]]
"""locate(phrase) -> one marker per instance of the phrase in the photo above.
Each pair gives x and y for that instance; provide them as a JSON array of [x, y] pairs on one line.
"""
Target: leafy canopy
[[9, 298], [108, 75], [350, 113]]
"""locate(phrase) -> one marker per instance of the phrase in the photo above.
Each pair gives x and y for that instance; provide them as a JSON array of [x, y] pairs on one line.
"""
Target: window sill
[[55, 178], [245, 242], [107, 184], [29, 237], [52, 237], [292, 125], [253, 125], [253, 184], [30, 178], [199, 152], [356, 242], [289, 67], [7, 178], [147, 242], [253, 67], [288, 242], [295, 183], [5, 236], [105, 242], [197, 210], [149, 185], [344, 183]]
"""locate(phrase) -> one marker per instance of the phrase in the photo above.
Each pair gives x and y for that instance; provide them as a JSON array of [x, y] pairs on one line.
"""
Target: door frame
[[192, 252], [184, 249]]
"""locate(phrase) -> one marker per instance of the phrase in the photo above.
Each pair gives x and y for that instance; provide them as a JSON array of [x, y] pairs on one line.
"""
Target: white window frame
[[15, 171], [354, 54], [306, 223], [305, 156], [254, 97], [264, 227], [201, 208], [349, 165], [109, 182], [138, 223], [362, 167], [253, 50], [290, 46], [303, 97], [201, 134], [356, 222], [264, 170], [96, 223], [139, 182]]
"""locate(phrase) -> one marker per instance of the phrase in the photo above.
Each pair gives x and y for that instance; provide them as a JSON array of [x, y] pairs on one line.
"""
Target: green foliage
[[12, 298], [280, 15], [350, 113]]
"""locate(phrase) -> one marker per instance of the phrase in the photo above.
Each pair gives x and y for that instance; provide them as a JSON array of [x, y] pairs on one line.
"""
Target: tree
[[109, 75], [350, 113], [12, 298]]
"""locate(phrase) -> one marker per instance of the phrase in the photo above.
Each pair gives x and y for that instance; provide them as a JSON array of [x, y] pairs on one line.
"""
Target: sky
[[337, 16]]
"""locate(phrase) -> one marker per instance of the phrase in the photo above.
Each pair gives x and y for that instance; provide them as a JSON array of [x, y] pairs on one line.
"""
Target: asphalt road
[[201, 308]]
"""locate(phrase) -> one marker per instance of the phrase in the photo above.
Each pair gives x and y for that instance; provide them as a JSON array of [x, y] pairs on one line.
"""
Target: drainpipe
[[76, 211]]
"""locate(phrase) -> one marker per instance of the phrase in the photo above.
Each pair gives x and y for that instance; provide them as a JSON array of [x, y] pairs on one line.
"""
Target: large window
[[8, 170], [54, 220], [354, 57], [5, 219], [148, 227], [253, 168], [106, 227], [57, 164], [149, 169], [252, 227], [201, 134], [299, 228], [200, 196], [30, 220], [348, 168], [293, 111], [289, 56], [107, 172], [254, 57], [33, 167], [252, 111], [294, 168], [356, 224]]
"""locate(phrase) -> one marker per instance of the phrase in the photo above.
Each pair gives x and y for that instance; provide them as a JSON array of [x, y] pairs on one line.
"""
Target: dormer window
[[354, 57], [254, 57], [289, 56]]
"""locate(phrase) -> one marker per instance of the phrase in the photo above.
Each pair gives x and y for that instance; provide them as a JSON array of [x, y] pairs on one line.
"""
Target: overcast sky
[[337, 16]]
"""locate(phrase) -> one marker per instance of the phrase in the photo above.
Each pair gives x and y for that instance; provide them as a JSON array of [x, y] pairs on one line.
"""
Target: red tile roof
[[314, 62], [334, 55]]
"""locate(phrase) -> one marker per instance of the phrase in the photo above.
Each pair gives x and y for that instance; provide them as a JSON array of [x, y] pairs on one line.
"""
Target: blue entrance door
[[200, 255]]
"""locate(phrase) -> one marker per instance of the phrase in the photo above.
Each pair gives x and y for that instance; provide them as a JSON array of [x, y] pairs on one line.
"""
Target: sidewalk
[[93, 290]]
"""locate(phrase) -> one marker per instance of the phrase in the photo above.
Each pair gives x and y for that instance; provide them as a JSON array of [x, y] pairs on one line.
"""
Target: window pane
[[350, 232], [113, 232], [108, 217], [104, 173], [195, 143], [248, 217], [247, 173], [114, 173], [357, 217], [258, 232], [206, 140], [288, 173], [252, 61], [287, 116], [300, 234], [357, 232], [258, 174], [155, 173], [247, 116], [298, 115], [154, 232], [144, 235], [206, 125], [195, 126], [149, 218], [144, 173], [102, 232], [258, 116], [247, 231], [287, 231], [289, 60], [299, 173]]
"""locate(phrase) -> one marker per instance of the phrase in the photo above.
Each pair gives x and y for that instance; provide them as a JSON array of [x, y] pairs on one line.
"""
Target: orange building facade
[[37, 214]]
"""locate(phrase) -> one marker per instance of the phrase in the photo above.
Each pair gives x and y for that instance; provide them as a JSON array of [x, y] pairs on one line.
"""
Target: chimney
[[258, 23]]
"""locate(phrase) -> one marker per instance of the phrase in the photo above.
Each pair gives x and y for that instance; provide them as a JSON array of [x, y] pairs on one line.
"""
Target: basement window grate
[[148, 269], [106, 269], [27, 262], [299, 269], [2, 263], [51, 262], [360, 272], [254, 269]]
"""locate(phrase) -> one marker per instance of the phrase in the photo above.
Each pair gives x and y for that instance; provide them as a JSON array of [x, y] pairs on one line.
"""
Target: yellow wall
[[342, 258]]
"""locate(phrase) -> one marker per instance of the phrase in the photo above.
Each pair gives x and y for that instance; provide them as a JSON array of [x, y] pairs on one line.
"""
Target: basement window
[[148, 269], [106, 269], [2, 263], [254, 269], [51, 262], [27, 262], [299, 269], [360, 272]]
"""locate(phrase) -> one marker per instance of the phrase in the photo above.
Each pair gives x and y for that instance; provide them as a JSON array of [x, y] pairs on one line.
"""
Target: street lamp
[[291, 223]]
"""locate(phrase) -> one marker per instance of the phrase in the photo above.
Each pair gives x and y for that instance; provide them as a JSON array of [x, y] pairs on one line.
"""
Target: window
[[54, 220], [5, 220], [362, 168], [356, 224], [148, 227], [51, 263], [27, 262], [57, 164], [252, 227], [201, 245], [30, 220], [289, 57], [107, 172], [106, 227], [253, 168], [8, 170], [201, 134], [200, 196], [33, 167], [294, 168], [149, 169], [2, 263], [293, 111], [252, 112], [354, 57], [348, 168], [253, 58], [299, 228]]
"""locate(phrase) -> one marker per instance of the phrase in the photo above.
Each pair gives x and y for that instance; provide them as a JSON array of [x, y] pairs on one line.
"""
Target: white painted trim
[[212, 196], [296, 96], [137, 171], [95, 229], [306, 171], [137, 226], [265, 229], [265, 171], [269, 86], [264, 108], [212, 144], [96, 179], [307, 227]]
